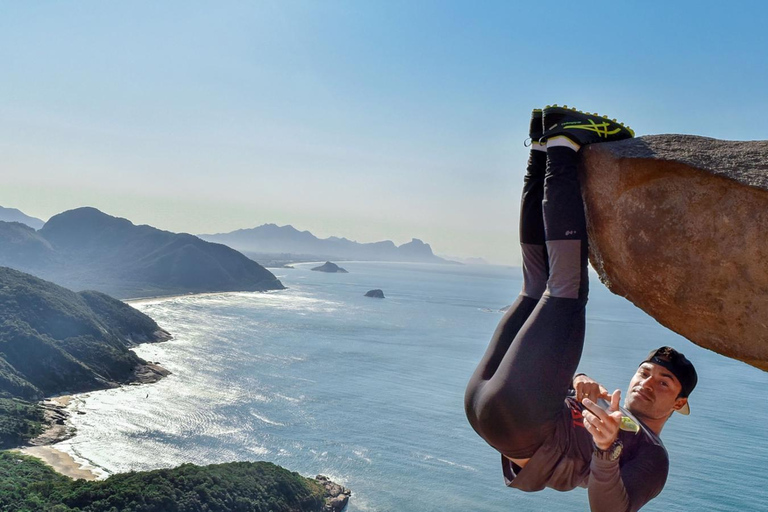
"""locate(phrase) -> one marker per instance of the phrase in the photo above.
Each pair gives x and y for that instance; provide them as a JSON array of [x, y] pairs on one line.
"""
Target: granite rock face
[[336, 496], [678, 225]]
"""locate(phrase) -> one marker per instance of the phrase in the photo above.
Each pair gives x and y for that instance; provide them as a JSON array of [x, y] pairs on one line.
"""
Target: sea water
[[322, 380]]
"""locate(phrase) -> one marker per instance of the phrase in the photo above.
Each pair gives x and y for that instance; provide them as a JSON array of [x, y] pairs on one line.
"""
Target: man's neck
[[654, 424]]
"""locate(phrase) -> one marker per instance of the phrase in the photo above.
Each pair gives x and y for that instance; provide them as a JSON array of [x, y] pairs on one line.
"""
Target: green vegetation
[[20, 421], [53, 340], [28, 485]]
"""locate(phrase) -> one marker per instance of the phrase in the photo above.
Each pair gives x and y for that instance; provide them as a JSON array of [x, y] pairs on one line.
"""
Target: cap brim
[[685, 410]]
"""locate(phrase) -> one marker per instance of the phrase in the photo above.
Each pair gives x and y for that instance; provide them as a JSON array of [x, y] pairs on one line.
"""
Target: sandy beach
[[59, 461], [43, 445], [61, 401], [54, 409]]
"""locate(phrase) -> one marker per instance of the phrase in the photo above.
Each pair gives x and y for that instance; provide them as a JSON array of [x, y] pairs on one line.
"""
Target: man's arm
[[627, 489], [613, 487]]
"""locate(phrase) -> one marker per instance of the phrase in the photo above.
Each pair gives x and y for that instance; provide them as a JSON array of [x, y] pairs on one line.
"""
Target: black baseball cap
[[680, 367]]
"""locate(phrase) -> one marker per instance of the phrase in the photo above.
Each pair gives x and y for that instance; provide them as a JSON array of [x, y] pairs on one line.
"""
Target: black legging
[[517, 390]]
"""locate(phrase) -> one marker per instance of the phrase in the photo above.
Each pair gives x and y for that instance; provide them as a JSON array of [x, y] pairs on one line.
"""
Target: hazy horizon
[[365, 120], [298, 228]]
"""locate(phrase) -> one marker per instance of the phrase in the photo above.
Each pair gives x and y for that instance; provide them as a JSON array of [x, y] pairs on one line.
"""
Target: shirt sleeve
[[626, 488]]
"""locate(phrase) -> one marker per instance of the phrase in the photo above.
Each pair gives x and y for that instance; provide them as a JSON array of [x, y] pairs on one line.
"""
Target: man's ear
[[680, 403]]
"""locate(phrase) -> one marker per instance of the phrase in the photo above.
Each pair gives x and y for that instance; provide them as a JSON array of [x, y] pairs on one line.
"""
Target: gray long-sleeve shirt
[[566, 461]]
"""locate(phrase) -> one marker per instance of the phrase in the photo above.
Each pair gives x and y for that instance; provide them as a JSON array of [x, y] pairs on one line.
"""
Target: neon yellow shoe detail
[[582, 127]]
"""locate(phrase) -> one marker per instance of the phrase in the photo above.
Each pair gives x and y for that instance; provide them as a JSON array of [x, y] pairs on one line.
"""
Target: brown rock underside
[[678, 226]]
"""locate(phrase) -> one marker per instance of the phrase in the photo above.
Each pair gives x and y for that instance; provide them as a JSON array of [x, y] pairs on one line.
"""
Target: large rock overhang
[[678, 225]]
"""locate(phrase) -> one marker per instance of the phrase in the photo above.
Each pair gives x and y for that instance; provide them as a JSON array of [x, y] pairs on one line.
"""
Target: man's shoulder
[[645, 436], [647, 446]]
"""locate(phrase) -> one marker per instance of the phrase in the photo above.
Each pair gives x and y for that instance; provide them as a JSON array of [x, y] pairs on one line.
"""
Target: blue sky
[[366, 119]]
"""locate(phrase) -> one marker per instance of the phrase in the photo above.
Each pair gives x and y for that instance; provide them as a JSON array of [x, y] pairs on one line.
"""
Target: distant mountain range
[[14, 215], [272, 239], [87, 249]]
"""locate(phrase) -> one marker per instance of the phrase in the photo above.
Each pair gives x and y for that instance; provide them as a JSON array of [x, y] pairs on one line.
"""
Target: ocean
[[322, 380]]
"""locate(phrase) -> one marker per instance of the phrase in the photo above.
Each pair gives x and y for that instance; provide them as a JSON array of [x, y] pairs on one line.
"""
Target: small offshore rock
[[377, 294], [330, 267], [336, 496]]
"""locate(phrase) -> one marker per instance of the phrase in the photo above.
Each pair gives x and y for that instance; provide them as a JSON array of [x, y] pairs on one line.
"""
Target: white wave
[[292, 300], [427, 457], [358, 502], [294, 400], [361, 454], [257, 450], [267, 420], [69, 448]]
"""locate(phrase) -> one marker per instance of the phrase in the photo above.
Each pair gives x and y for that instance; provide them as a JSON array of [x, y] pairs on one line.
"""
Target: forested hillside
[[27, 484]]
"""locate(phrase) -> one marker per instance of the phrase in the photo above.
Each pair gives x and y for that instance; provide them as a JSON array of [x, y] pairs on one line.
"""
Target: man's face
[[653, 393]]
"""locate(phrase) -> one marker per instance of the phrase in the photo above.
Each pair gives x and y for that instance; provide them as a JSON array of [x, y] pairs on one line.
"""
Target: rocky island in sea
[[331, 268], [55, 341]]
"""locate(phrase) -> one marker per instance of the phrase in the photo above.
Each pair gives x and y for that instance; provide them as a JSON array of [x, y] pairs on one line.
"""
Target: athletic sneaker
[[537, 127], [581, 127]]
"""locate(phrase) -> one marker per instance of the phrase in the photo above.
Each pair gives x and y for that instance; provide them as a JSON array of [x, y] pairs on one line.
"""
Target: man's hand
[[588, 388], [603, 425]]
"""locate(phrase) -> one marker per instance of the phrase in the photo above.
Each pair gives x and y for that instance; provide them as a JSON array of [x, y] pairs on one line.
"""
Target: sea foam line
[[428, 457]]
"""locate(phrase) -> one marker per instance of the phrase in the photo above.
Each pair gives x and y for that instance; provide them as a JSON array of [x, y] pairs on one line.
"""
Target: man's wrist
[[611, 453]]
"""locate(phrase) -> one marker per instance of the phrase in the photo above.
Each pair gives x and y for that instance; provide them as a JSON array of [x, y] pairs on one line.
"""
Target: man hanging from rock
[[554, 429]]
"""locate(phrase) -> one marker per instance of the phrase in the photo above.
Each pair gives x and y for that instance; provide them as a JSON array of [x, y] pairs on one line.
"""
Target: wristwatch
[[611, 454]]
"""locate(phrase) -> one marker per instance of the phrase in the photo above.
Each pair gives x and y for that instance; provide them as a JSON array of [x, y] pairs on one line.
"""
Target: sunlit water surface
[[320, 379]]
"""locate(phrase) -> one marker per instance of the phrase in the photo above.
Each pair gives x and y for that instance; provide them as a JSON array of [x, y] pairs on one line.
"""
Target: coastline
[[61, 462], [43, 446], [59, 408]]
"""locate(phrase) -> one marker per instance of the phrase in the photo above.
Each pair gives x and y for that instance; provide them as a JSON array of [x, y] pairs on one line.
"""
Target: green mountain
[[21, 246], [53, 340], [27, 484], [87, 249]]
